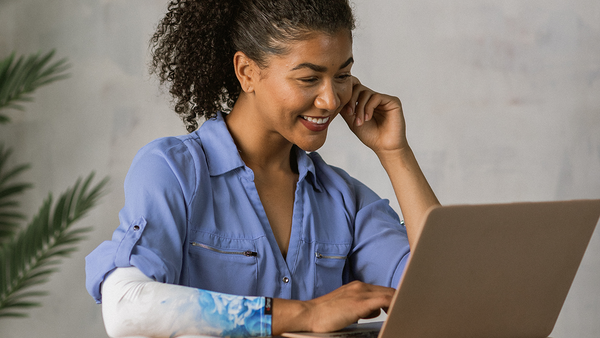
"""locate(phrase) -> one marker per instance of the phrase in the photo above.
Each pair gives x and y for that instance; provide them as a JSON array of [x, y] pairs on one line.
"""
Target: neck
[[260, 148]]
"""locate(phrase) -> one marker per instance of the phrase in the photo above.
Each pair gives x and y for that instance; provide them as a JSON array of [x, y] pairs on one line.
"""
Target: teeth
[[316, 120]]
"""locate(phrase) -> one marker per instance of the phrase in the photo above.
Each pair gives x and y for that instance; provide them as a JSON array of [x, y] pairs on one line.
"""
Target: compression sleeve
[[134, 304]]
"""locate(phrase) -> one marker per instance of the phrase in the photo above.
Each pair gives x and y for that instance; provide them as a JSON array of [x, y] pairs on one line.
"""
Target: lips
[[315, 123], [317, 120]]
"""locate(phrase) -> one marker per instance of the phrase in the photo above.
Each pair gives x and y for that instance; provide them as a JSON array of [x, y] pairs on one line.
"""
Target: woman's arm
[[133, 304], [378, 121], [412, 190]]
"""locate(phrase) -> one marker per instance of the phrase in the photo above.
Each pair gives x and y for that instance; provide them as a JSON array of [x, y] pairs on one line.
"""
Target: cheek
[[345, 93], [298, 98], [278, 96]]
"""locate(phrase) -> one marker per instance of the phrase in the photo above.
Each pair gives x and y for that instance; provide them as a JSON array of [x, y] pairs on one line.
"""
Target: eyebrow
[[321, 69]]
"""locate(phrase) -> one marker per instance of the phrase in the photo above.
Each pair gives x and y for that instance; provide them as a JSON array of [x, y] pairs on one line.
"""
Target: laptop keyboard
[[359, 334]]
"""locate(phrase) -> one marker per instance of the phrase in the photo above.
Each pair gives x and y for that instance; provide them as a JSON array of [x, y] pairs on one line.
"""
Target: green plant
[[9, 214], [29, 255], [19, 79]]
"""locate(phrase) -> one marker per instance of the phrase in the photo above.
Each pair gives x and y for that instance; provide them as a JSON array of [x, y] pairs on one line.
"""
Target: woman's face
[[298, 94]]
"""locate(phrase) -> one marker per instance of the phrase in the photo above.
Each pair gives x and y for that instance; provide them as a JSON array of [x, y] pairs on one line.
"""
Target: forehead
[[318, 48]]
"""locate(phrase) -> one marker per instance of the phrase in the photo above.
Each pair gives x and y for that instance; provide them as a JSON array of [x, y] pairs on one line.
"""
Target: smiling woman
[[295, 97], [240, 228]]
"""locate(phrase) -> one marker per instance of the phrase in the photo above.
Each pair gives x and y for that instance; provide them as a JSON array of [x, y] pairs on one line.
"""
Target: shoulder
[[172, 146], [177, 152], [168, 161]]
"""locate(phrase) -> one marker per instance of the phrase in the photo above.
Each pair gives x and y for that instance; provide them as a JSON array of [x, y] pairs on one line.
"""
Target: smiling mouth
[[315, 124], [320, 120]]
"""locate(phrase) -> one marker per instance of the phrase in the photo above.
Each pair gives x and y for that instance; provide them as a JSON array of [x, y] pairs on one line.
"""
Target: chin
[[310, 149], [311, 146]]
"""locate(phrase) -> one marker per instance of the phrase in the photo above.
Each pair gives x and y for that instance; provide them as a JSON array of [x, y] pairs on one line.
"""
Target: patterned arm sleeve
[[133, 304]]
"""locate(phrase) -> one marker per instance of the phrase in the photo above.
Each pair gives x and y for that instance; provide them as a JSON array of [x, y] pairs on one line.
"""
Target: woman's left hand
[[376, 119]]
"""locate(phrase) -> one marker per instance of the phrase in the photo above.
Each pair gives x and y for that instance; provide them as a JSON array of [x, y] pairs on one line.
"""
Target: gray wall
[[502, 101]]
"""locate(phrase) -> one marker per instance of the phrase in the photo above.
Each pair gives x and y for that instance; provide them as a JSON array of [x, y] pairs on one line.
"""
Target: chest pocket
[[329, 260], [223, 264]]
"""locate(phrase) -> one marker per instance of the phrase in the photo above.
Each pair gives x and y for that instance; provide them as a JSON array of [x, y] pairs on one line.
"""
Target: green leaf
[[21, 77], [13, 172], [13, 314], [9, 190], [31, 256]]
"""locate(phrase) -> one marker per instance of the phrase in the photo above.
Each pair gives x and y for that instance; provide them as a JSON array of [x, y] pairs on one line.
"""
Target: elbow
[[115, 322], [121, 305], [119, 313]]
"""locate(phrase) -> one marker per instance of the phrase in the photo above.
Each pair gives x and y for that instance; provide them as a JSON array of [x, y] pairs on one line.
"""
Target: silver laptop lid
[[500, 270]]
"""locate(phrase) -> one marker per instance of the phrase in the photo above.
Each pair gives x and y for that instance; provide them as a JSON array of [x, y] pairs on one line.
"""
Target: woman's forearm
[[133, 304], [412, 190], [289, 316]]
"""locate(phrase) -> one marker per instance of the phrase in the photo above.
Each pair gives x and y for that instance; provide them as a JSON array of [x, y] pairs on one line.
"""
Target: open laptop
[[497, 270]]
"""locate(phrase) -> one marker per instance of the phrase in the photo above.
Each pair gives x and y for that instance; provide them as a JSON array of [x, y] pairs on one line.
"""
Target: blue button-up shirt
[[193, 217]]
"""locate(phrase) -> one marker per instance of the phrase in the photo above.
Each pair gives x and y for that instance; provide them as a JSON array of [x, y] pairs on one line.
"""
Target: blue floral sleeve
[[234, 316]]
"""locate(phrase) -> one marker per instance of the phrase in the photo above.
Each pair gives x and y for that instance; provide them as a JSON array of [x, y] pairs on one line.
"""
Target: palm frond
[[31, 256], [20, 77], [9, 214]]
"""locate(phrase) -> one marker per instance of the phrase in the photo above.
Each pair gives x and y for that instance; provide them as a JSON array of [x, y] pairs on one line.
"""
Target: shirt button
[[286, 280]]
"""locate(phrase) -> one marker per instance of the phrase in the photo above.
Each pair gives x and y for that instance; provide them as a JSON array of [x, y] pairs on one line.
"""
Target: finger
[[372, 306], [373, 314], [349, 110], [357, 87], [348, 115], [363, 97], [374, 102]]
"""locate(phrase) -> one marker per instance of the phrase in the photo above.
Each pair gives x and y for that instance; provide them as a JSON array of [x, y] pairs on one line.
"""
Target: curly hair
[[194, 44]]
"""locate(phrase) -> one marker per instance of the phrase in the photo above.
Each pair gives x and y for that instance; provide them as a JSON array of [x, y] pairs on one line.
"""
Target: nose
[[328, 98]]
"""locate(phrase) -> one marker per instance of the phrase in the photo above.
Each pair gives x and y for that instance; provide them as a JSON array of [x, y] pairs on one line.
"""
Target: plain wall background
[[502, 102]]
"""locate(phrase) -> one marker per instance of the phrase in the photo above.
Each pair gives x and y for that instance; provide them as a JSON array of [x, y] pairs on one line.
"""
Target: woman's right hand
[[333, 311]]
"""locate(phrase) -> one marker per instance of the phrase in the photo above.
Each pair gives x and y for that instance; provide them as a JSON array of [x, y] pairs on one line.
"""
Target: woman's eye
[[309, 80], [344, 76]]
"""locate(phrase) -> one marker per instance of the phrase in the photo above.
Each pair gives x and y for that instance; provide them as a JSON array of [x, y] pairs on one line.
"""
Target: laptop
[[495, 270]]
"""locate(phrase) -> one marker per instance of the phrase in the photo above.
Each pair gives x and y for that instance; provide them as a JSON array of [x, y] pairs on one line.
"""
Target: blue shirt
[[193, 217]]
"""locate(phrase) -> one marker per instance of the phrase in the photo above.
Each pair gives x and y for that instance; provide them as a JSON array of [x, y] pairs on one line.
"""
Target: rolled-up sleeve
[[153, 221]]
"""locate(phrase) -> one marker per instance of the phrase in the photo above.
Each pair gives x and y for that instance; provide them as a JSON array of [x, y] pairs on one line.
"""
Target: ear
[[246, 71]]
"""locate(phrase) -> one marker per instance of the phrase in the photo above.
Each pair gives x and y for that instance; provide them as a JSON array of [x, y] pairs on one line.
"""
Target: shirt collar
[[222, 154], [306, 169]]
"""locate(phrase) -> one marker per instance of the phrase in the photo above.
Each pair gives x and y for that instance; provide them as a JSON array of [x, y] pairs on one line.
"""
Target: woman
[[234, 229]]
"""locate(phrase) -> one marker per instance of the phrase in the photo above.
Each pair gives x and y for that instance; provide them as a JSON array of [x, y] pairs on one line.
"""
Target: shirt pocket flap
[[330, 260], [225, 265]]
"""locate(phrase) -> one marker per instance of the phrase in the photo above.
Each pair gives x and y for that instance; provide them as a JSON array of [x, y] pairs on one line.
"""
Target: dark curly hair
[[194, 44]]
